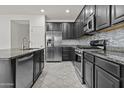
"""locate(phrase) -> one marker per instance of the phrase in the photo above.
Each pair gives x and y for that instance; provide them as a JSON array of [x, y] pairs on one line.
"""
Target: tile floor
[[58, 75]]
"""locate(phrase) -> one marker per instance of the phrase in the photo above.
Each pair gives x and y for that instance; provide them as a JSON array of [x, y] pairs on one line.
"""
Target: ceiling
[[52, 12]]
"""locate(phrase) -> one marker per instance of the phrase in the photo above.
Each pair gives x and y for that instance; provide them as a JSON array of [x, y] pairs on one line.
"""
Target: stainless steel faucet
[[25, 43]]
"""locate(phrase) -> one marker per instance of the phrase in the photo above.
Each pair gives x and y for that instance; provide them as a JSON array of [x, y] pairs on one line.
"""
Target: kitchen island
[[20, 68]]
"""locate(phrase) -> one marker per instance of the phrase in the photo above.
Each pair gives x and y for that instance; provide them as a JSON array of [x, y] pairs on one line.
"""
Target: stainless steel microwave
[[90, 25]]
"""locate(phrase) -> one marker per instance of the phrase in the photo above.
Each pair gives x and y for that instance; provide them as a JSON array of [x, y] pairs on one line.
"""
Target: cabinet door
[[117, 13], [64, 31], [67, 54], [67, 31], [42, 60], [76, 29], [82, 21], [56, 27], [37, 61], [88, 73], [48, 26], [77, 25], [70, 31], [102, 16], [53, 26], [104, 79]]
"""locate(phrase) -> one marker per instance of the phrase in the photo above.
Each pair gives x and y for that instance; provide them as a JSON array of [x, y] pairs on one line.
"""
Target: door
[[57, 37], [104, 79], [88, 73], [117, 13], [102, 16], [49, 46]]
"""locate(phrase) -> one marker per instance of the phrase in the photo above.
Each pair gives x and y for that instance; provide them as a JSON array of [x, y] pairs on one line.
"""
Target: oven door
[[78, 64]]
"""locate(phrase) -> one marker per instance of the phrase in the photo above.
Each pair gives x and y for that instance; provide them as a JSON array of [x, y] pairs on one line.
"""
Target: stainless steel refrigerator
[[53, 46]]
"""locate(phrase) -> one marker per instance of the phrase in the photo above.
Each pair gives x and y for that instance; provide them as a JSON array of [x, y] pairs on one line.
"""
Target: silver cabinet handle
[[24, 58]]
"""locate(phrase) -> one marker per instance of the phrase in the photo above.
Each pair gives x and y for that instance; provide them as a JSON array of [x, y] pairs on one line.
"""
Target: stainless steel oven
[[78, 63], [95, 45]]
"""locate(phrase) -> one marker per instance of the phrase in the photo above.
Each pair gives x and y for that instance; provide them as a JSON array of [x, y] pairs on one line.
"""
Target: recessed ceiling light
[[67, 11], [42, 10]]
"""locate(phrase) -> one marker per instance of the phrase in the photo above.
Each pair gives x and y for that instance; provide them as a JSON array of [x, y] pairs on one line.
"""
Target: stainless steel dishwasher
[[24, 71]]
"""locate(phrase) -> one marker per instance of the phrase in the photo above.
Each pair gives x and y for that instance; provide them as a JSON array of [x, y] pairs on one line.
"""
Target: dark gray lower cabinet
[[105, 80], [6, 73], [42, 60], [88, 73], [67, 54], [38, 63], [117, 13], [21, 71]]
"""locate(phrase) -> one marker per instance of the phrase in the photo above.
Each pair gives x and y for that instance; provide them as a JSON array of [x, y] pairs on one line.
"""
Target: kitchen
[[79, 47]]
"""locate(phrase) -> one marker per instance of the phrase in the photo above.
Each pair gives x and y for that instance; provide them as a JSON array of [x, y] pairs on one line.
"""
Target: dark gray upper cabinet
[[105, 80], [53, 26], [67, 31], [82, 21], [117, 13], [102, 16], [77, 27]]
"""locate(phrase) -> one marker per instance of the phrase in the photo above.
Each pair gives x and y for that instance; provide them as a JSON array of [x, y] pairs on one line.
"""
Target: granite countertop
[[116, 57], [12, 53]]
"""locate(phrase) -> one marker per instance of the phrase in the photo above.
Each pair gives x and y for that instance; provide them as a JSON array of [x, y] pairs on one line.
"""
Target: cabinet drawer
[[108, 66], [89, 57], [66, 58]]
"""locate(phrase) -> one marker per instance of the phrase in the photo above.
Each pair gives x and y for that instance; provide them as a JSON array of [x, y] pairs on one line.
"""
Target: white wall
[[19, 31], [5, 27]]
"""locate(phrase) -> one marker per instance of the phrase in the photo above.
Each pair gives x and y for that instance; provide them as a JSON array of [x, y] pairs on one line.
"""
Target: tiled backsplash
[[115, 38]]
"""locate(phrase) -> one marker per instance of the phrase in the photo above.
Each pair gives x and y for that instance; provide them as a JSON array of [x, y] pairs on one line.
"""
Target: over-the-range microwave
[[90, 24]]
